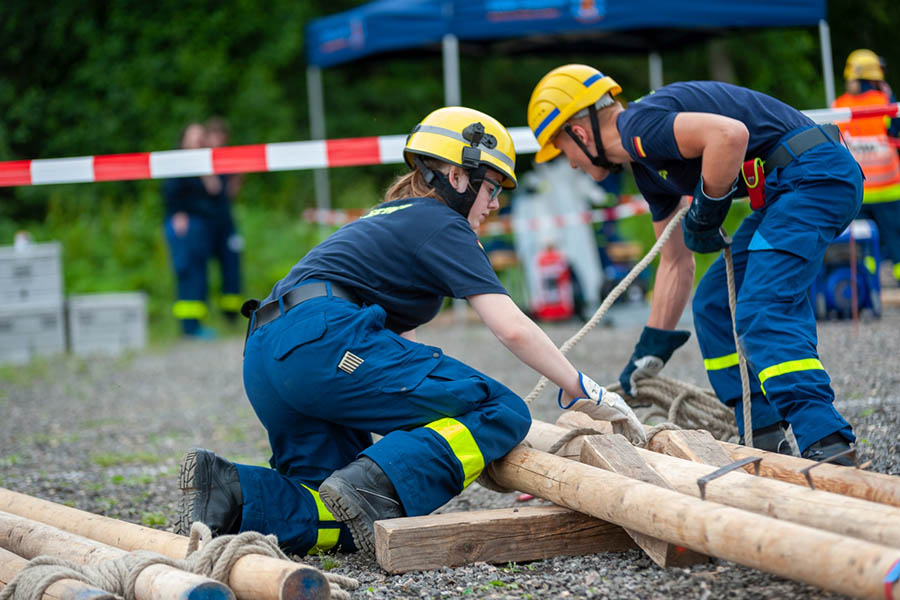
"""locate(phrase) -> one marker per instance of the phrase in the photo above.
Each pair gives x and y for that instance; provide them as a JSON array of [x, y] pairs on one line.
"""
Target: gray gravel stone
[[106, 435]]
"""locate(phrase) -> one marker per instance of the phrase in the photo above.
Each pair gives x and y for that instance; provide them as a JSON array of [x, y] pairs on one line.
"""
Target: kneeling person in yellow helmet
[[711, 141], [331, 356]]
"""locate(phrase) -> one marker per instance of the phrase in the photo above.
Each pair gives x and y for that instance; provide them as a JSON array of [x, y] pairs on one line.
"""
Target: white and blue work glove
[[602, 405], [653, 350], [702, 224]]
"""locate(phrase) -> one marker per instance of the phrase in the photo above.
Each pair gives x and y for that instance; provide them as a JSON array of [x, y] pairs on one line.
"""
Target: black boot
[[358, 495], [771, 439], [829, 446], [210, 493]]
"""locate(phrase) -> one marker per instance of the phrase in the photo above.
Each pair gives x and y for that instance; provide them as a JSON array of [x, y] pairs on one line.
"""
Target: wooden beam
[[494, 536], [824, 559], [157, 582], [615, 453], [64, 589], [690, 444], [253, 577]]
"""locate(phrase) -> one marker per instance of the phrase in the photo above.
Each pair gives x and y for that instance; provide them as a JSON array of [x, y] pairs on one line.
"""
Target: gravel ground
[[106, 436]]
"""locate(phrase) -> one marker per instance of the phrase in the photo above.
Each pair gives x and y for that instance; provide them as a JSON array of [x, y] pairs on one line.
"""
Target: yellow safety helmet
[[560, 94], [863, 64], [464, 137]]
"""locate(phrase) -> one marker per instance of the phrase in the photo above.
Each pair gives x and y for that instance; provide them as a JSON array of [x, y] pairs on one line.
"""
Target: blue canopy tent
[[396, 26]]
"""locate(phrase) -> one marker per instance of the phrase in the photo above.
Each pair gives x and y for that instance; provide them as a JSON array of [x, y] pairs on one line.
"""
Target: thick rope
[[215, 557], [742, 360], [207, 556], [613, 296]]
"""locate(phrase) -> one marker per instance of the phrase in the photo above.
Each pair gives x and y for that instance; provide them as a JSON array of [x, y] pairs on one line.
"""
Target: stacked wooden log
[[30, 527], [837, 528]]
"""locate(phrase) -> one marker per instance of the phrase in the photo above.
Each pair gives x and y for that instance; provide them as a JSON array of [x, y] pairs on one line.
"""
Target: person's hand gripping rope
[[603, 405]]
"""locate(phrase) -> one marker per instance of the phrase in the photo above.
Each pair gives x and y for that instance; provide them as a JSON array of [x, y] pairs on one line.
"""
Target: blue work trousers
[[190, 254], [777, 253], [227, 245], [442, 421]]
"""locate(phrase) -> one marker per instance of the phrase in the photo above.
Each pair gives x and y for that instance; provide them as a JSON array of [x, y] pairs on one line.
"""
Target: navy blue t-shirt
[[188, 194], [404, 255], [646, 129]]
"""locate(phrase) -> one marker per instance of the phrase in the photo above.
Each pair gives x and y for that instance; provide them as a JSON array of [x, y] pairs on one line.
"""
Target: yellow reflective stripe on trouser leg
[[721, 362], [326, 538], [231, 302], [190, 309], [463, 445], [897, 271], [791, 366]]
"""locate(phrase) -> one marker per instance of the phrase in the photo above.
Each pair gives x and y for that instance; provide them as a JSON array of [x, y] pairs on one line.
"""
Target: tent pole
[[452, 95], [317, 131], [654, 62], [827, 67]]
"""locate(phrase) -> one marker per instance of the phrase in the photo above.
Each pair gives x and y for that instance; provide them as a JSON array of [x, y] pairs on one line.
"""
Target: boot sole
[[186, 471], [333, 494]]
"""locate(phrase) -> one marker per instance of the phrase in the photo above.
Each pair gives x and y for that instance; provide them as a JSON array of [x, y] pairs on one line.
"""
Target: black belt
[[271, 310], [800, 143]]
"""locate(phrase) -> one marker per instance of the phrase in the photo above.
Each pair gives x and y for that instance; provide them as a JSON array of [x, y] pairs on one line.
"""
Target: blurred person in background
[[226, 243], [707, 140], [189, 208], [872, 141], [331, 356]]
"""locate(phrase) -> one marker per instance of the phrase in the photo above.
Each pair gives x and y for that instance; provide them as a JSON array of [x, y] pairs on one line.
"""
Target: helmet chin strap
[[461, 202], [598, 160]]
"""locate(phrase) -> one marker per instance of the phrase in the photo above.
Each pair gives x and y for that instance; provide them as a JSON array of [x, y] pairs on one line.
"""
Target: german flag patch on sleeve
[[638, 147]]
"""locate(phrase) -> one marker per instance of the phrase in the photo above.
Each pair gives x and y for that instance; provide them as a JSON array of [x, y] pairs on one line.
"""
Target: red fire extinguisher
[[555, 299]]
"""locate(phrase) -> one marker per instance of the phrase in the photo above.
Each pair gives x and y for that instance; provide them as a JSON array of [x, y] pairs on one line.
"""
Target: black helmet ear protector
[[461, 202], [600, 159]]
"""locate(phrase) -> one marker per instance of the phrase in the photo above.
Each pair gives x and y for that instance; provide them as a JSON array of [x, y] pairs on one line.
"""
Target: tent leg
[[655, 65], [317, 131], [453, 97], [827, 67]]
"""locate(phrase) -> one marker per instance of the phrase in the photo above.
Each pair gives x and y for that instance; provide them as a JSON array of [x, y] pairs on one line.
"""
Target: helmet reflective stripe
[[456, 136], [547, 120]]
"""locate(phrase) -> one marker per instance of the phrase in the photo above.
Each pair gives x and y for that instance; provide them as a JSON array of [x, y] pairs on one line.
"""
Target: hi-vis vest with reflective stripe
[[868, 141]]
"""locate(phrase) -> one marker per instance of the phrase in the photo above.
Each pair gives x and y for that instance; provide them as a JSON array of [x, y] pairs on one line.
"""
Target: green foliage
[[93, 77], [153, 519]]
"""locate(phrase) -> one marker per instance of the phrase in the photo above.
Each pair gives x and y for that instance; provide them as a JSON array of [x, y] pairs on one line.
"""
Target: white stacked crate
[[107, 323], [31, 302]]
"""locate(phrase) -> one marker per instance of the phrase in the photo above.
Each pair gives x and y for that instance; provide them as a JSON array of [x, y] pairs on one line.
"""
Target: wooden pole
[[875, 487], [824, 559], [157, 582], [844, 515], [64, 589], [253, 577]]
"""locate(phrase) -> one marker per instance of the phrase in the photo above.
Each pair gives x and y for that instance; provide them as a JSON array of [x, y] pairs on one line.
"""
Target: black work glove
[[651, 353], [702, 223]]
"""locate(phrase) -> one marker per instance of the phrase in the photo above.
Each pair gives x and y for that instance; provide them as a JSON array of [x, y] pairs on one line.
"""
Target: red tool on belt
[[755, 179]]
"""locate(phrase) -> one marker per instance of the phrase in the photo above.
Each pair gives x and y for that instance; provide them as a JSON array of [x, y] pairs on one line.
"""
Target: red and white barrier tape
[[629, 206], [284, 156]]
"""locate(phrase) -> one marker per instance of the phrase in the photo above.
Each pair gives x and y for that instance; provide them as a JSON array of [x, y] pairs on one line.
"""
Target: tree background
[[89, 77]]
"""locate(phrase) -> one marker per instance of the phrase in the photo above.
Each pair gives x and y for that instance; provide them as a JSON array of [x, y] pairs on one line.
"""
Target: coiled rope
[[207, 556]]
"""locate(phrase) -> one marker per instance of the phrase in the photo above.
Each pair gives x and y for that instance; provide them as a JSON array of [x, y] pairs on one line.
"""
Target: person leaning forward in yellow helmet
[[331, 355], [709, 141]]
